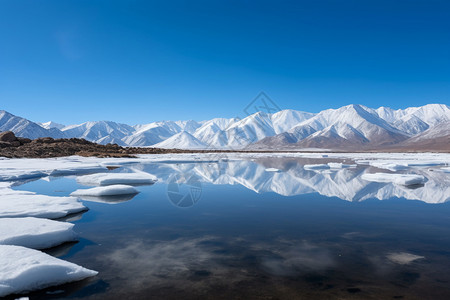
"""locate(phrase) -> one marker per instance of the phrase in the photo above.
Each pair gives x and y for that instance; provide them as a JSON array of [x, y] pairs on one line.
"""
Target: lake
[[263, 228]]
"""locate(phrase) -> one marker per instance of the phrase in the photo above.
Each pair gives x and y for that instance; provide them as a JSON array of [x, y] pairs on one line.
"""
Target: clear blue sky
[[142, 61]]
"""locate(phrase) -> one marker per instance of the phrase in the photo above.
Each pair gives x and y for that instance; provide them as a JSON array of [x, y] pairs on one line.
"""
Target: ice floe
[[402, 179], [334, 165], [31, 205], [27, 168], [111, 190], [317, 167], [273, 170], [103, 179], [35, 233], [23, 270]]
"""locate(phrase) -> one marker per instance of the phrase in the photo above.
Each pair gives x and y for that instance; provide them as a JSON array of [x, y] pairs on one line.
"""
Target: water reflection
[[113, 199], [236, 243], [294, 179]]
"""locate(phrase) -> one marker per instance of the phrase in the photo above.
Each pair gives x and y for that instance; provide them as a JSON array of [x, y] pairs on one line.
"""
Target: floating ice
[[35, 233], [29, 205], [23, 270], [389, 166], [111, 190], [115, 199], [401, 179], [334, 165], [102, 179], [273, 170], [26, 168], [316, 167]]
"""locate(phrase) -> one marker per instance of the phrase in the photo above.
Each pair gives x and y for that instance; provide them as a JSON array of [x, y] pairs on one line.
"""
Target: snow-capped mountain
[[51, 124], [102, 132], [25, 128], [414, 120], [337, 128], [344, 128]]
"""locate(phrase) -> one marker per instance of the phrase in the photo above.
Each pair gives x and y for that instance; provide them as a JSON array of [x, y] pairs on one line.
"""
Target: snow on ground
[[103, 179], [111, 190], [23, 270], [35, 233], [41, 206], [401, 179]]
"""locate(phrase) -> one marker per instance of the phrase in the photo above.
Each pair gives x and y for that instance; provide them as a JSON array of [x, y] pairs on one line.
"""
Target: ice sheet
[[111, 190], [19, 204], [35, 233], [23, 270], [103, 179]]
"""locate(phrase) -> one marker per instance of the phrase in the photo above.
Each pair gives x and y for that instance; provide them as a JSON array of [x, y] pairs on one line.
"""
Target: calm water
[[235, 230]]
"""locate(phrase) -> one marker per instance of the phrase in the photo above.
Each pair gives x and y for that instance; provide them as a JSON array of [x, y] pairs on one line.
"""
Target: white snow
[[23, 270], [16, 204], [35, 233], [111, 190], [102, 179], [272, 170], [402, 179]]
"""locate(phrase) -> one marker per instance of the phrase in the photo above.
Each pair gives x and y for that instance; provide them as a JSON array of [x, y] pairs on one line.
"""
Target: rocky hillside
[[17, 147]]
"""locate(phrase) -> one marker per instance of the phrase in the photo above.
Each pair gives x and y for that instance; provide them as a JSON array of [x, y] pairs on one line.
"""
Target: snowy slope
[[153, 133], [97, 131], [51, 124], [182, 140], [414, 120], [25, 128], [336, 128]]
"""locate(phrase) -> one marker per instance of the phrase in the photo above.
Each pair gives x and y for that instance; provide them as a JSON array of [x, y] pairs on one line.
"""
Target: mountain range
[[346, 128]]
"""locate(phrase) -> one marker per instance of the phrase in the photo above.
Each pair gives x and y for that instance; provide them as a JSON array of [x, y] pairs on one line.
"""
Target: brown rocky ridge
[[17, 147]]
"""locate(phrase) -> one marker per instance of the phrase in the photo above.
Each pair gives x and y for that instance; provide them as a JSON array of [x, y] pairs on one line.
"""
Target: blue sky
[[142, 61]]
